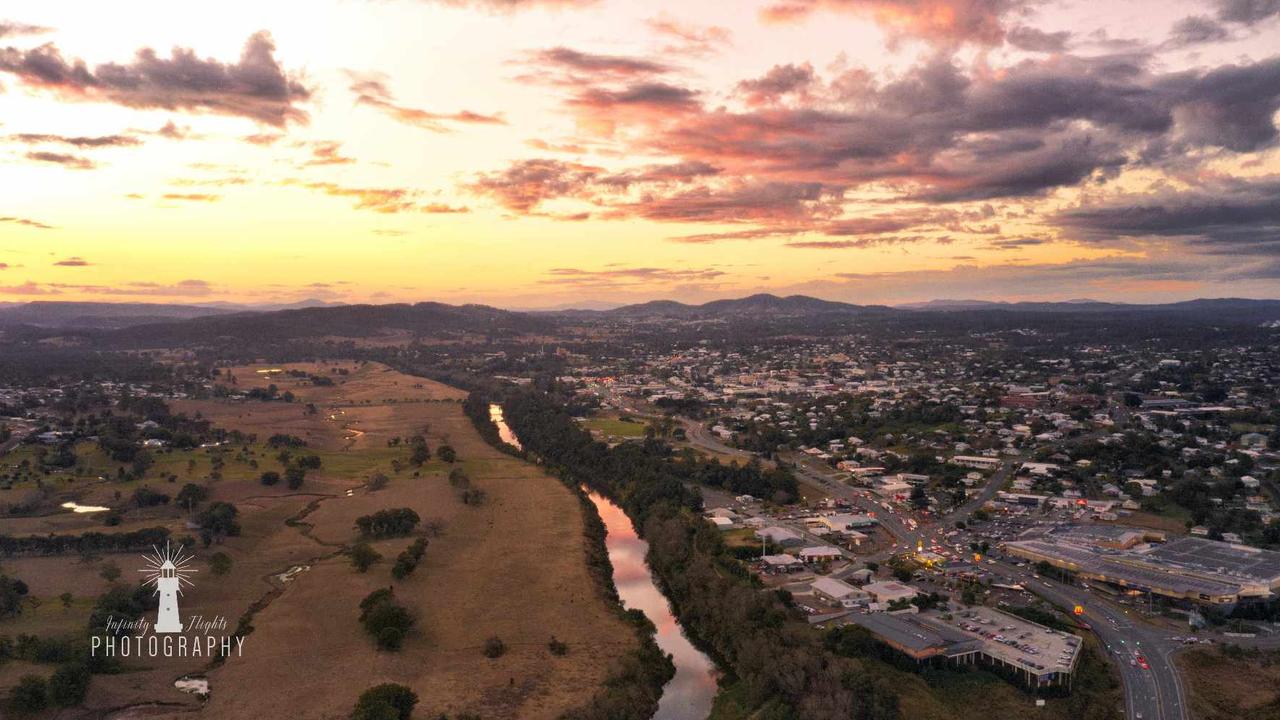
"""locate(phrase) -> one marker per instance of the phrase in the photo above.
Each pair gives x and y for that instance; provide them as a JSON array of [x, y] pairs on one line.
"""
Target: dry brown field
[[513, 567]]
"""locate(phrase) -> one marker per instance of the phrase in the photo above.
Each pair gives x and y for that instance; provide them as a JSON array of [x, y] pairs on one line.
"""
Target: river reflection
[[504, 432], [688, 695]]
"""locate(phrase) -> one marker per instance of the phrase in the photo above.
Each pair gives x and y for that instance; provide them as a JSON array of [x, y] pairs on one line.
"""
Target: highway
[[1152, 693], [1156, 693]]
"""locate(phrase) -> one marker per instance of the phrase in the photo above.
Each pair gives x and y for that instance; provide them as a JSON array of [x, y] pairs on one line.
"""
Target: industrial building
[[1190, 569]]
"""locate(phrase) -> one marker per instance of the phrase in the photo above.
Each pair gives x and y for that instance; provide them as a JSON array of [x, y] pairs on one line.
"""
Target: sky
[[554, 153]]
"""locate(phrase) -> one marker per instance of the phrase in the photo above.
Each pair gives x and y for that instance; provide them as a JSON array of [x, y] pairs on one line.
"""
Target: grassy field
[[615, 427], [513, 567], [1227, 688]]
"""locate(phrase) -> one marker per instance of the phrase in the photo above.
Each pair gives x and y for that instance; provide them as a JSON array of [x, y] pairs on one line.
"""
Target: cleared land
[[1226, 688], [512, 567]]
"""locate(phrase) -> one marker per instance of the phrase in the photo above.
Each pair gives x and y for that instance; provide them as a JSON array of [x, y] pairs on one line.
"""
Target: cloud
[[514, 5], [623, 277], [27, 288], [381, 200], [191, 197], [27, 222], [256, 87], [947, 21], [598, 66], [73, 262], [1197, 29], [780, 81], [327, 152], [1226, 216], [525, 184], [371, 91], [8, 28], [1247, 12], [73, 162], [80, 142], [691, 40], [1033, 40]]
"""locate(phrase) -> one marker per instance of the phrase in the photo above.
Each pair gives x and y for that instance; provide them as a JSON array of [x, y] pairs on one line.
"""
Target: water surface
[[691, 692]]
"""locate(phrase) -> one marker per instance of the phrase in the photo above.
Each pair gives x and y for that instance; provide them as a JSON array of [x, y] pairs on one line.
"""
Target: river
[[690, 694]]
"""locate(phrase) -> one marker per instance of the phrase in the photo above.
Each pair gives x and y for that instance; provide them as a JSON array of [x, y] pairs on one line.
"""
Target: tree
[[29, 695], [388, 523], [363, 556], [269, 478], [192, 495], [385, 619], [494, 647], [68, 685], [109, 572], [12, 593], [219, 521], [220, 563], [447, 454], [388, 701], [294, 475]]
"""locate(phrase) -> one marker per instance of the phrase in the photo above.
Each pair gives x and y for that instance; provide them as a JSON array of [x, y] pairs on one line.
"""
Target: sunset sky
[[541, 153]]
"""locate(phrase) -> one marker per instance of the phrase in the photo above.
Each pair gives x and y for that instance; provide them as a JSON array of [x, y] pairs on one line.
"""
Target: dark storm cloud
[[1197, 29], [1248, 12], [1237, 216], [256, 87], [1232, 106], [1034, 40]]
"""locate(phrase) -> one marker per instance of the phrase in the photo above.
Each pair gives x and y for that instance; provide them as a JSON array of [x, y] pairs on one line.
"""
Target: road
[[1153, 694], [1156, 693]]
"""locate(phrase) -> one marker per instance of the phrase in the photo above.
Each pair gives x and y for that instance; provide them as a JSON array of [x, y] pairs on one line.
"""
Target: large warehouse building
[[1204, 572]]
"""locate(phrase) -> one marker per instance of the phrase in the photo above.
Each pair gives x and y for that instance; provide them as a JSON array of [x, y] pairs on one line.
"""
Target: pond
[[78, 508]]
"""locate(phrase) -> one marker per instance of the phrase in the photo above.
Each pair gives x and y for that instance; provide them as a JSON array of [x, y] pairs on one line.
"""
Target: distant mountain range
[[162, 323], [754, 305], [426, 319], [105, 315]]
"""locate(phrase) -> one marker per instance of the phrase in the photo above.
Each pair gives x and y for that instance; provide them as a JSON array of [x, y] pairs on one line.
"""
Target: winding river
[[690, 694]]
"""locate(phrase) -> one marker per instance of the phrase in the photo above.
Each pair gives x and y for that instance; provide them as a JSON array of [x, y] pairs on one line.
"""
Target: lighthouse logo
[[169, 572], [198, 636]]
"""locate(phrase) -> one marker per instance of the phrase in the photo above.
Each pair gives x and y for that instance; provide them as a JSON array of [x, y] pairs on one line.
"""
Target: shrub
[[557, 647], [363, 556], [388, 701], [407, 561], [384, 619], [29, 695], [68, 685], [220, 563], [494, 647], [388, 523]]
